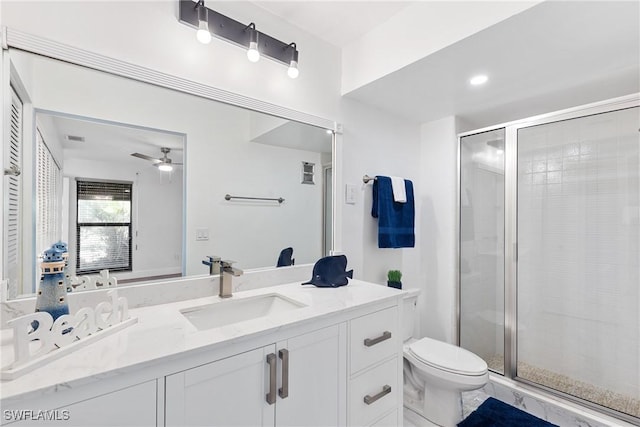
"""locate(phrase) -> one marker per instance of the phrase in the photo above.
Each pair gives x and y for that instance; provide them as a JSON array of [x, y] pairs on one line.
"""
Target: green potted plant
[[394, 279]]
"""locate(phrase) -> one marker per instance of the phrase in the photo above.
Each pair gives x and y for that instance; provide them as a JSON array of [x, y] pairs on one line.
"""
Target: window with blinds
[[48, 197], [103, 226]]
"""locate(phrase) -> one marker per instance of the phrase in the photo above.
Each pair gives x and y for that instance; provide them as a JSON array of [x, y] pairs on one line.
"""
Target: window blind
[[48, 197], [103, 226]]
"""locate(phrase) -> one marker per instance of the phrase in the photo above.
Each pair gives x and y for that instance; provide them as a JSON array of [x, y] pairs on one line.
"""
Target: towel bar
[[229, 197], [367, 178]]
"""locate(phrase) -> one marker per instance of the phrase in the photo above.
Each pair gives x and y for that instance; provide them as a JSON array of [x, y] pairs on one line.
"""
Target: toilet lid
[[448, 357]]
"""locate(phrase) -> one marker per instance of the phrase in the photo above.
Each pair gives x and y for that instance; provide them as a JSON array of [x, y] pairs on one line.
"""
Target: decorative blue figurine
[[52, 292], [63, 247]]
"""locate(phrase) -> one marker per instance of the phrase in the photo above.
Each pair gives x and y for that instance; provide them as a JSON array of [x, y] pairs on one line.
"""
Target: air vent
[[307, 172], [75, 138]]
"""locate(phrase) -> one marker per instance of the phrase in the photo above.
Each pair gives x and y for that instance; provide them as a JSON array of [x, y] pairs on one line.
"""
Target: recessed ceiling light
[[479, 80]]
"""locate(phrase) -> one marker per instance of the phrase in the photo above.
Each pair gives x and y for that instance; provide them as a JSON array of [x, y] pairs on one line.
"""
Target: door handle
[[370, 399], [271, 361], [284, 390], [369, 342]]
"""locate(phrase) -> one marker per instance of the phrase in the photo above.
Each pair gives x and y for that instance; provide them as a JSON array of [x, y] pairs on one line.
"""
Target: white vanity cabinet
[[375, 369], [336, 362], [295, 382]]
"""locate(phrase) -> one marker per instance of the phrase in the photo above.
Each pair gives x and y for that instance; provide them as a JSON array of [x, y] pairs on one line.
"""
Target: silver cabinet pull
[[373, 341], [370, 399], [284, 390], [271, 396]]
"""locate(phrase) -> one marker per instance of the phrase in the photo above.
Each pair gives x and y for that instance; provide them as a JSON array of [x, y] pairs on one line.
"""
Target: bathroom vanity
[[286, 355]]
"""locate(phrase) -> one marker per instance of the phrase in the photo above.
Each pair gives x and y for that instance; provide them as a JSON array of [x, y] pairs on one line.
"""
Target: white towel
[[399, 191]]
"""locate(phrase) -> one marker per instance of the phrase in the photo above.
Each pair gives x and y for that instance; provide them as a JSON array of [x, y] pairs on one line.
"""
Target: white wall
[[377, 144], [148, 33], [438, 178]]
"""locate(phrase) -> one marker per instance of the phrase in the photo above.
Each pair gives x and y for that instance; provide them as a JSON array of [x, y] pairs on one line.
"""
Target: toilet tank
[[410, 313]]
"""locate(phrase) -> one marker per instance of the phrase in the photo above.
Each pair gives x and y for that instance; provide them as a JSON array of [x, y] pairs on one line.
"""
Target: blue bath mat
[[494, 413]]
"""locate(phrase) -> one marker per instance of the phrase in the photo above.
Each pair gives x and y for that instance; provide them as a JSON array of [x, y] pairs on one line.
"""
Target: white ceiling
[[553, 56], [298, 136], [556, 55], [111, 142], [336, 22]]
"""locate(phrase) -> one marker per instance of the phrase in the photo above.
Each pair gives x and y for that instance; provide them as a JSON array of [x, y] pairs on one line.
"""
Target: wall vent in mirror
[[307, 172]]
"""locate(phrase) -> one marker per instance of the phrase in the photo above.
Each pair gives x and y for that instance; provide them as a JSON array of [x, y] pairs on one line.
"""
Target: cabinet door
[[132, 406], [229, 392], [317, 379]]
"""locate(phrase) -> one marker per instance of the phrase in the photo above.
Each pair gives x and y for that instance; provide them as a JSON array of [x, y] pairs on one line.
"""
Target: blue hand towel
[[395, 220]]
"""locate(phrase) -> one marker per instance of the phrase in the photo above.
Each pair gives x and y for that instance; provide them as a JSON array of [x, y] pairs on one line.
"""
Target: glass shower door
[[578, 271], [482, 203]]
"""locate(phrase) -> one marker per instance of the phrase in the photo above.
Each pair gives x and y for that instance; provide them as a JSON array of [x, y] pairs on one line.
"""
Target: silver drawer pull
[[373, 341], [370, 399], [283, 392], [271, 361]]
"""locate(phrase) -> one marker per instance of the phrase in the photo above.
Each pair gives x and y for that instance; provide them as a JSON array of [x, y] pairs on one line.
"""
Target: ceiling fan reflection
[[164, 163]]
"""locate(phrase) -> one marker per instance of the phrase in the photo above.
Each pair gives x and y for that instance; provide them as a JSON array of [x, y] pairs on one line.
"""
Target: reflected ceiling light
[[203, 35], [252, 53], [209, 23], [165, 167], [478, 80], [293, 71], [329, 132]]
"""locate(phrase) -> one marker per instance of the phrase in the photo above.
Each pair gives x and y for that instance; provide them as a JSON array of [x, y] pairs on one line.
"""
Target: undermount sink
[[238, 310]]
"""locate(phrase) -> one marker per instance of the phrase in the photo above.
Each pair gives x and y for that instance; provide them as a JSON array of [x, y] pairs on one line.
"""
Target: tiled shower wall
[[578, 253]]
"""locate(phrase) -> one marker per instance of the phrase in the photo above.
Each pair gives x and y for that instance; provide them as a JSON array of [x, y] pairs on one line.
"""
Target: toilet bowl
[[435, 373]]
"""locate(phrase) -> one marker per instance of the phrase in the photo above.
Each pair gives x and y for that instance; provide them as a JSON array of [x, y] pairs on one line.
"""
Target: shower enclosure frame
[[510, 235]]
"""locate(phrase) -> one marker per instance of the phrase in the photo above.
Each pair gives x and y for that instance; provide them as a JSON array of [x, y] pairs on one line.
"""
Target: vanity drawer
[[379, 387], [390, 420], [373, 338]]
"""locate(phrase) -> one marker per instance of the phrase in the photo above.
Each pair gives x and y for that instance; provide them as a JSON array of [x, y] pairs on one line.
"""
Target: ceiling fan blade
[[145, 157]]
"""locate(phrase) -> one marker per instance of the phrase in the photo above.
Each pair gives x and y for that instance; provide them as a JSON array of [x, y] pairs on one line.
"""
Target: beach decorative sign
[[39, 339]]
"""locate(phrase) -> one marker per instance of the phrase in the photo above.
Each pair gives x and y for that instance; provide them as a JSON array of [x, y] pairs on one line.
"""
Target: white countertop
[[163, 334]]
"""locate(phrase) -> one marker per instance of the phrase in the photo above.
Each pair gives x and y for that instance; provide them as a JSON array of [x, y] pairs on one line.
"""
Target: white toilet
[[435, 373]]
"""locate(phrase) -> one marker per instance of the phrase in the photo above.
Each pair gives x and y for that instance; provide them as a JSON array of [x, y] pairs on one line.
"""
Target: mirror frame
[[12, 38]]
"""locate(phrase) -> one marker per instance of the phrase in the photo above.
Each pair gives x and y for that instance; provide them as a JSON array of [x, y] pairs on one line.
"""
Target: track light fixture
[[293, 71], [209, 22], [203, 35], [253, 54]]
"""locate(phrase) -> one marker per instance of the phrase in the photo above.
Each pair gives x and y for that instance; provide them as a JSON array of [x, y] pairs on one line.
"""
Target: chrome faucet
[[227, 272], [214, 264]]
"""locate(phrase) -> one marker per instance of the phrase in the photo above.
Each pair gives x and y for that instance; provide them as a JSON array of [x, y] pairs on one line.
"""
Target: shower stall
[[549, 253]]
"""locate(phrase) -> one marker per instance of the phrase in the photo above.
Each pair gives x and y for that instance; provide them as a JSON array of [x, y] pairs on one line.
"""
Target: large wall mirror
[[94, 151]]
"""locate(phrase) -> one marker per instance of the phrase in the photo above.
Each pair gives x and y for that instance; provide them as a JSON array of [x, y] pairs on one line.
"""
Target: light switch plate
[[202, 234], [350, 194]]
